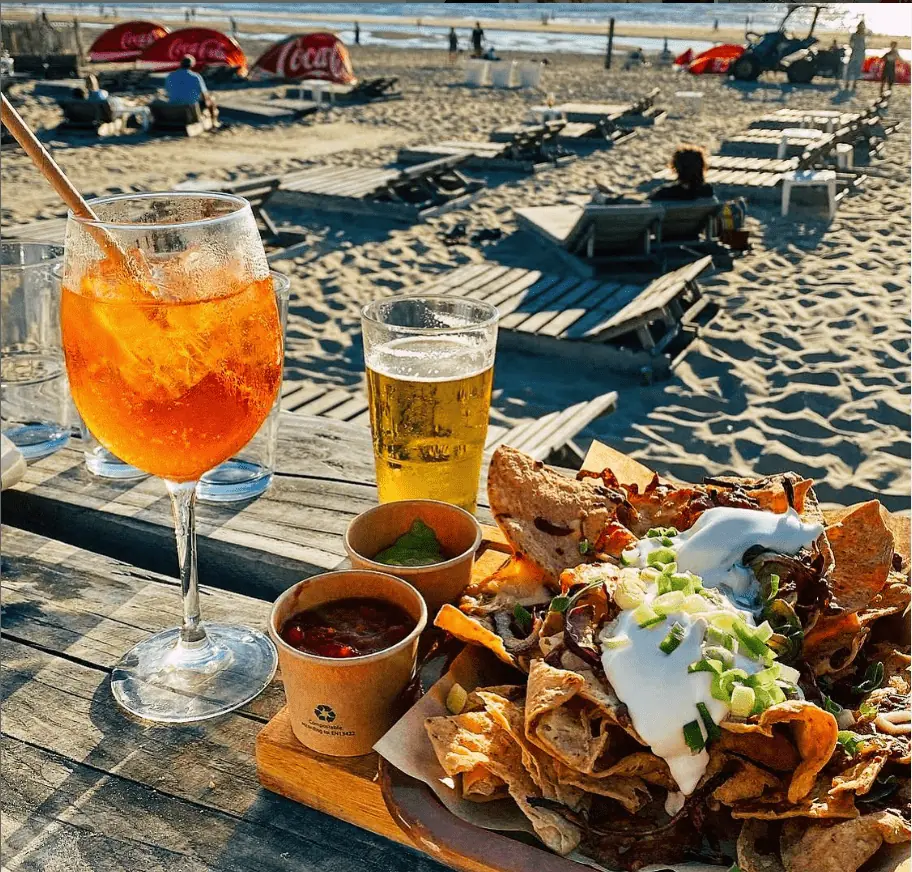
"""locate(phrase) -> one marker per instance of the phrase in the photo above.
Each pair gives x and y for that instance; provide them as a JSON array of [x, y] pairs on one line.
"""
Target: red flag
[[208, 47], [308, 56], [126, 42]]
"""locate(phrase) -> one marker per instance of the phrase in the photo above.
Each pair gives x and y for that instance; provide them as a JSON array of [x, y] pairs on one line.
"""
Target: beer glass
[[430, 364], [173, 348]]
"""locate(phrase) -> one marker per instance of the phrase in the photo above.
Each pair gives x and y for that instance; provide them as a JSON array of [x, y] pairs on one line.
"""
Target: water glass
[[249, 473], [34, 397]]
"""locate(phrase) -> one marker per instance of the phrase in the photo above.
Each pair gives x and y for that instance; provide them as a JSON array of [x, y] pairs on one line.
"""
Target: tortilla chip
[[838, 847], [544, 514], [901, 528], [630, 792], [772, 752], [463, 742], [862, 548], [516, 581], [834, 642], [774, 497], [749, 782], [892, 599], [756, 847], [814, 732], [860, 777], [776, 805], [474, 630], [480, 785], [644, 765], [624, 468]]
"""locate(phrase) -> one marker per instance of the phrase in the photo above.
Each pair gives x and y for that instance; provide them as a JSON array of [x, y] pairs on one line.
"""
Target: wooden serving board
[[349, 787]]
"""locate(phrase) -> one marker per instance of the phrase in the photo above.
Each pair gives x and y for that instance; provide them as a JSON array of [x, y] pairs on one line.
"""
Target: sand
[[805, 367]]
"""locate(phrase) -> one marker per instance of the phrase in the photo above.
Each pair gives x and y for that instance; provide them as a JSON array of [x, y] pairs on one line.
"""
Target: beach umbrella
[[307, 56], [715, 60], [209, 47], [126, 41], [872, 71], [682, 60]]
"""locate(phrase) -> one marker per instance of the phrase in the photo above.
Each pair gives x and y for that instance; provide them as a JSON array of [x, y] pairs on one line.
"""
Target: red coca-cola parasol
[[209, 48], [717, 59], [872, 71], [308, 56], [126, 42]]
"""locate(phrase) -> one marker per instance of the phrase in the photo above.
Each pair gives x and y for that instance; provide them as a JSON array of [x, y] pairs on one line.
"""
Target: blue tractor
[[789, 51]]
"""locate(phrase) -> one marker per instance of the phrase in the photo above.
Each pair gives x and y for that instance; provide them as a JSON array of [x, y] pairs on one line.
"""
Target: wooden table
[[87, 571]]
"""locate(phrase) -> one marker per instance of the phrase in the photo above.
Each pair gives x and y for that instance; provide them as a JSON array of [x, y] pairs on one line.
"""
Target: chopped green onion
[[655, 532], [523, 618], [754, 647], [671, 532], [669, 569], [742, 701], [716, 636], [712, 728], [765, 677], [560, 604], [774, 587], [722, 685], [724, 621], [645, 616], [660, 557], [683, 582], [673, 639], [629, 593], [694, 604], [830, 706], [621, 640], [789, 673], [649, 574], [706, 665], [666, 603], [629, 556], [850, 741], [693, 736], [873, 678], [776, 694], [723, 655], [666, 542], [867, 710], [663, 584], [763, 631], [585, 546]]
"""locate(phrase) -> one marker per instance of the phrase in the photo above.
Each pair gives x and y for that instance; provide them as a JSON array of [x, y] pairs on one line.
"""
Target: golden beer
[[429, 402]]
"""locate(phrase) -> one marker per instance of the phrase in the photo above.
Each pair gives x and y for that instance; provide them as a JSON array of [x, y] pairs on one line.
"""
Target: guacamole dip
[[417, 547]]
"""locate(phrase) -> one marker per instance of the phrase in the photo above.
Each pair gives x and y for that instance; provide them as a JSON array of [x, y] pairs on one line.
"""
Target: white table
[[790, 134], [541, 114], [809, 179]]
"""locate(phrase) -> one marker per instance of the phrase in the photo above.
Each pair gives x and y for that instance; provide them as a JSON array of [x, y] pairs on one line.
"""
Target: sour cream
[[714, 546], [660, 694]]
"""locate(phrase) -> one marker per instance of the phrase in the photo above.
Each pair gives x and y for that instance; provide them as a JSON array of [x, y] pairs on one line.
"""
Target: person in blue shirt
[[94, 93], [185, 87]]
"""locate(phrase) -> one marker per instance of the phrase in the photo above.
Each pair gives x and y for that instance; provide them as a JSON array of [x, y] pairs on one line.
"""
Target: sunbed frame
[[90, 116], [189, 120]]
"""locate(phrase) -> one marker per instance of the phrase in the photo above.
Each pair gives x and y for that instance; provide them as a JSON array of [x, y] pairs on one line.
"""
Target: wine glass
[[174, 354]]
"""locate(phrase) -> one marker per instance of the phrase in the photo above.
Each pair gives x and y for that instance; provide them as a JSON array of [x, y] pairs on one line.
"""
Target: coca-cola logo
[[206, 50], [131, 40], [298, 59]]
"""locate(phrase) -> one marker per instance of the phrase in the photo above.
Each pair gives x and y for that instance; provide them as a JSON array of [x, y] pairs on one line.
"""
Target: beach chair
[[188, 120], [534, 143], [631, 324], [89, 116], [248, 110], [407, 195], [819, 119], [590, 237], [550, 438], [373, 90], [641, 112], [688, 222]]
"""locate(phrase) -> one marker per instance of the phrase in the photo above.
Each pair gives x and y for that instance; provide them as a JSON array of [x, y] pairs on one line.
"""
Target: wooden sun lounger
[[92, 116], [637, 326], [688, 222], [588, 237], [264, 112], [414, 194], [639, 113], [819, 119], [188, 120], [550, 438], [375, 90]]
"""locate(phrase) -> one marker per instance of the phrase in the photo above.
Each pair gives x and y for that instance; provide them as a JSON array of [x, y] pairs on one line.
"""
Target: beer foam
[[431, 358]]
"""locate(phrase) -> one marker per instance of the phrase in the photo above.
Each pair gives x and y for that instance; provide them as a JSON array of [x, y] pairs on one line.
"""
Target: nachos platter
[[715, 673]]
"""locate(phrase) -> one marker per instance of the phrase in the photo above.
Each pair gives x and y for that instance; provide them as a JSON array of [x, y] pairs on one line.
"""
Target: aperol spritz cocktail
[[174, 350]]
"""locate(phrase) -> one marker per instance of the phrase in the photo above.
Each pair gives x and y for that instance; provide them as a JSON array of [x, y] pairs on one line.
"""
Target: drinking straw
[[48, 167]]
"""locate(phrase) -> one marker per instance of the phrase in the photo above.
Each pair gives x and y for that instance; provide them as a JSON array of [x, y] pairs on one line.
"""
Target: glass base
[[38, 440], [168, 682], [232, 481], [102, 463]]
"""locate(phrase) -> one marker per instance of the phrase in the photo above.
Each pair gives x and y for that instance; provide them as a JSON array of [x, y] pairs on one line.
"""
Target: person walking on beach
[[233, 22], [856, 59], [888, 77], [454, 45], [357, 33], [477, 39]]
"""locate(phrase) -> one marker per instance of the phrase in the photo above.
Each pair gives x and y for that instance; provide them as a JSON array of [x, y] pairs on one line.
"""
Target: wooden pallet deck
[[632, 325], [478, 155], [265, 111], [820, 119], [548, 438]]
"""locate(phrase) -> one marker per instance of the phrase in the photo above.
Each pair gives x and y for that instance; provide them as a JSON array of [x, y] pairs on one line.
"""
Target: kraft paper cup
[[457, 531], [342, 705]]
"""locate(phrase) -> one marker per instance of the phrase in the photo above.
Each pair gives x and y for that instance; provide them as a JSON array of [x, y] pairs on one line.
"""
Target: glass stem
[[183, 502]]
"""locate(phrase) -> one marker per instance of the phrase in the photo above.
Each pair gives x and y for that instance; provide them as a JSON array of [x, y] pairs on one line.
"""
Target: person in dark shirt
[[689, 165], [888, 79], [454, 45], [477, 39]]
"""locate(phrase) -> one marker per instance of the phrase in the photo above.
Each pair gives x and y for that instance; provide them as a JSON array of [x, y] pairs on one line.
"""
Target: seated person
[[78, 94], [95, 94], [186, 87], [490, 54], [689, 165]]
